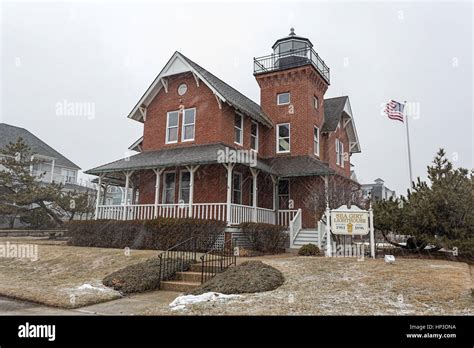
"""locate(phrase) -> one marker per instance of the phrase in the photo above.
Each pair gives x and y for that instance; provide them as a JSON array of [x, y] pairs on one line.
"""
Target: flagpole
[[408, 144]]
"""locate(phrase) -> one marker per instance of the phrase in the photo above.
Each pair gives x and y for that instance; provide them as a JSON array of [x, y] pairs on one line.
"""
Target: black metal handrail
[[217, 260], [177, 259], [291, 59]]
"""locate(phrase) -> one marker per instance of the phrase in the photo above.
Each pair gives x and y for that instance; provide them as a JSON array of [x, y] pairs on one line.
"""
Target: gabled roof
[[10, 134], [336, 110], [137, 145], [178, 64]]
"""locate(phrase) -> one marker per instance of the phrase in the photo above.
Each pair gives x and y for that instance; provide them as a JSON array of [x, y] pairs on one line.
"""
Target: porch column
[[229, 167], [275, 198], [254, 192], [98, 196], [328, 218], [371, 231], [192, 170], [104, 198], [128, 174], [52, 169], [158, 172]]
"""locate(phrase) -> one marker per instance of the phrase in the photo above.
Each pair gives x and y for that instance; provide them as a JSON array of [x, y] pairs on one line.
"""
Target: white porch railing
[[211, 211], [295, 227], [240, 213], [266, 215], [285, 216]]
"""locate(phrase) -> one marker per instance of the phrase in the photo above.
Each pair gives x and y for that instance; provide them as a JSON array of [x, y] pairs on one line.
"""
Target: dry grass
[[337, 286], [54, 279]]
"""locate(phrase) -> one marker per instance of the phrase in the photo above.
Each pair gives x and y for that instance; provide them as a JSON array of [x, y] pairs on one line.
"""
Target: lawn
[[68, 277], [63, 276], [338, 286]]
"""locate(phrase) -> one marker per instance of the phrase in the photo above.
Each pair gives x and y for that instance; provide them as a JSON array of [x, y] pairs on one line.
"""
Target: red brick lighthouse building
[[210, 152]]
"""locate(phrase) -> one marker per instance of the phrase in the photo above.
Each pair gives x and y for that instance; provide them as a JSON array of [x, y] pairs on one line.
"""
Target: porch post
[[52, 169], [104, 197], [128, 174], [98, 196], [192, 170], [275, 198], [372, 237], [254, 192], [229, 167], [328, 218], [158, 172]]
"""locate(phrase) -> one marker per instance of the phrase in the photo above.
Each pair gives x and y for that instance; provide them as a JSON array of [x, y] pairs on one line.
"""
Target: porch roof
[[293, 166], [182, 156]]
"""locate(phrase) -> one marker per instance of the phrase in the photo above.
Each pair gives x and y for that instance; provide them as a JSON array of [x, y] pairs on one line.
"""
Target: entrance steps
[[307, 236]]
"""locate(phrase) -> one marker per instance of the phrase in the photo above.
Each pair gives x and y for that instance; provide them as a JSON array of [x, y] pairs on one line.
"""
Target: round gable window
[[182, 89]]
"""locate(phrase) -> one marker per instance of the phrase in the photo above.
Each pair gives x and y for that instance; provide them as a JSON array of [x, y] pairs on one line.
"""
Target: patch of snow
[[91, 288], [181, 302]]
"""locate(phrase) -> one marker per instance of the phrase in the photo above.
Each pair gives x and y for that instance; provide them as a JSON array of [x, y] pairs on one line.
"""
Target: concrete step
[[189, 276], [179, 285], [197, 267]]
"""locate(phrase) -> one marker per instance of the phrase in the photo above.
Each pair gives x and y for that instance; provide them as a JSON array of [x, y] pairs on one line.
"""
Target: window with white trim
[[238, 129], [316, 141], [254, 136], [339, 153], [172, 121], [169, 187], [69, 175], [283, 138], [315, 102], [184, 186], [237, 188], [189, 120], [283, 98]]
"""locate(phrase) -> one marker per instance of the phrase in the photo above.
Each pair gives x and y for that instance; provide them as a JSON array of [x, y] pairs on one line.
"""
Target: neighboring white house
[[377, 190], [54, 166]]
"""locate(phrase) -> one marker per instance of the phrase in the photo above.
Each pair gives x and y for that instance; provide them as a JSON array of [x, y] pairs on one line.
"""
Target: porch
[[238, 213]]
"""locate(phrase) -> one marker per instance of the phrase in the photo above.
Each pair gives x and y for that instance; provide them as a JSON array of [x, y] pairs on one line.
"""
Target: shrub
[[159, 234], [309, 250], [248, 277], [265, 238], [140, 277]]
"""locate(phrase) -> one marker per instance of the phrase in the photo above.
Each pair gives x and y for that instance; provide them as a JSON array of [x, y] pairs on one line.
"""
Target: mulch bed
[[248, 277]]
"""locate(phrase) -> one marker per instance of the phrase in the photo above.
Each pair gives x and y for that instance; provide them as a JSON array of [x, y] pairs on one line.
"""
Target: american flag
[[394, 110]]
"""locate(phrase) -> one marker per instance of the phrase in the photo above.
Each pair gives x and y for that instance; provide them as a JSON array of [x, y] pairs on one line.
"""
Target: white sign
[[349, 221]]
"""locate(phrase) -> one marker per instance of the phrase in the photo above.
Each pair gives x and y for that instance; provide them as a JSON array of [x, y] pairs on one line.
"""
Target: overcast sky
[[104, 55]]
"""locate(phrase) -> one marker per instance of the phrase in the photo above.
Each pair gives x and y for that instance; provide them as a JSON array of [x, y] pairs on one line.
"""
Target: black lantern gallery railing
[[290, 59]]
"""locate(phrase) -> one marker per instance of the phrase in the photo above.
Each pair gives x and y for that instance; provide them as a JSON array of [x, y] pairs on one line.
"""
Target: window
[[182, 89], [254, 136], [283, 193], [283, 138], [237, 188], [316, 141], [169, 187], [69, 176], [339, 153], [172, 127], [184, 186], [316, 102], [189, 118], [283, 98], [238, 127]]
